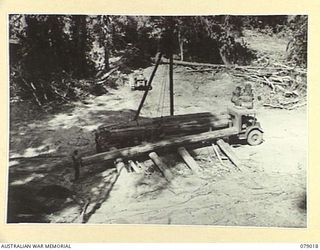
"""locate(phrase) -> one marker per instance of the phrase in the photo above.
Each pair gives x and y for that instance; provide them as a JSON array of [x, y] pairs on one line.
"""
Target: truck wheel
[[255, 137]]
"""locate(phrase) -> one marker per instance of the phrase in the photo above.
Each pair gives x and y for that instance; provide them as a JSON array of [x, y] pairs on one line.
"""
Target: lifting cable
[[162, 96]]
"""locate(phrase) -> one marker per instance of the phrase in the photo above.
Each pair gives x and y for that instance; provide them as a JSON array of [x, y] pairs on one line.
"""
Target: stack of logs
[[135, 132]]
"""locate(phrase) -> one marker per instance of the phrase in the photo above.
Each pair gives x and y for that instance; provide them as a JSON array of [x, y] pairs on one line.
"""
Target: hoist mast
[[159, 55], [171, 85]]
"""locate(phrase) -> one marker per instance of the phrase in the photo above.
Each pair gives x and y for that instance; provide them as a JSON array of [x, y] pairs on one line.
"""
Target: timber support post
[[77, 163]]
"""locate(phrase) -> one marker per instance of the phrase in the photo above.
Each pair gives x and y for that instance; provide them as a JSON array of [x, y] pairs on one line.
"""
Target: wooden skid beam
[[217, 153], [134, 166], [160, 164], [192, 164], [119, 164], [226, 148], [135, 151], [219, 157]]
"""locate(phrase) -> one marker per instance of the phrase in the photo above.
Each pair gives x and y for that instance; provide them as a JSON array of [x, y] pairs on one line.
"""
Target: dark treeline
[[49, 53]]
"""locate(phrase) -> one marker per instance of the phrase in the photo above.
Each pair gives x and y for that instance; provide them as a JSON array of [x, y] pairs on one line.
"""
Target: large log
[[192, 164], [226, 148], [218, 122], [187, 117], [185, 63], [158, 128], [161, 165], [167, 120], [142, 149]]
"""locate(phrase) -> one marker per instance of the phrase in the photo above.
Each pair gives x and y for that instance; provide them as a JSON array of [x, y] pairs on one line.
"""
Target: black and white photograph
[[161, 120]]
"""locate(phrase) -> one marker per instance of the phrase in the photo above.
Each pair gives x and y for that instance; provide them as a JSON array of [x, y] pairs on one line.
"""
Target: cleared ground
[[270, 191]]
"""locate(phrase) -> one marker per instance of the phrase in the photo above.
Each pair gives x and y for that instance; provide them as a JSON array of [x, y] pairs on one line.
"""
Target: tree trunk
[[106, 57], [181, 42], [80, 37]]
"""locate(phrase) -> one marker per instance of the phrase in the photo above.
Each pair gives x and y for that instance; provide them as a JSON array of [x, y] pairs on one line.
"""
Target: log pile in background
[[288, 84]]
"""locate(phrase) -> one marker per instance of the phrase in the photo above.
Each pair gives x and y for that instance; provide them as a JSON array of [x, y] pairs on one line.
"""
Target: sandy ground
[[269, 191]]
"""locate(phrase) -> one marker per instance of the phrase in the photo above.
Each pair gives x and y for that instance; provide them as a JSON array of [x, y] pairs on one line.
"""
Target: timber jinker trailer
[[134, 133]]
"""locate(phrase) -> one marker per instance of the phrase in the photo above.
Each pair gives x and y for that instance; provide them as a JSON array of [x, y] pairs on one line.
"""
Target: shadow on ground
[[41, 175]]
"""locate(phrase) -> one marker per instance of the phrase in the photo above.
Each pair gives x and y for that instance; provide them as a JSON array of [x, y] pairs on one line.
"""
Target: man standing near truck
[[243, 97]]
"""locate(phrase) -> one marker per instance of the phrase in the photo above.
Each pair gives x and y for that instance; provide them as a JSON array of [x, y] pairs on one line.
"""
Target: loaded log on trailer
[[240, 124], [155, 129]]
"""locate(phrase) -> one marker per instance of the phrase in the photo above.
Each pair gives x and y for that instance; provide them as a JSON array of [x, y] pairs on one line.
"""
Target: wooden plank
[[217, 153], [134, 166], [192, 164], [226, 148], [119, 164], [161, 165], [135, 151], [219, 157]]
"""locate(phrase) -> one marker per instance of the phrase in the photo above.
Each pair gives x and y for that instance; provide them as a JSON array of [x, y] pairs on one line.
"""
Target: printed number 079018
[[309, 245]]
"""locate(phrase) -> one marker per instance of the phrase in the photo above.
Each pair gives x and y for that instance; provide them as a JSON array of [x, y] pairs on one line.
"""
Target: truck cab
[[245, 121], [139, 81]]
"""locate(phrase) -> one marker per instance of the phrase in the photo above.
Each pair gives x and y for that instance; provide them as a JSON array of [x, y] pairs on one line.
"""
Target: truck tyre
[[255, 137]]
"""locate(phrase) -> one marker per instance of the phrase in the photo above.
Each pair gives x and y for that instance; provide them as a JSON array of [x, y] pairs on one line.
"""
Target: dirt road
[[269, 191]]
